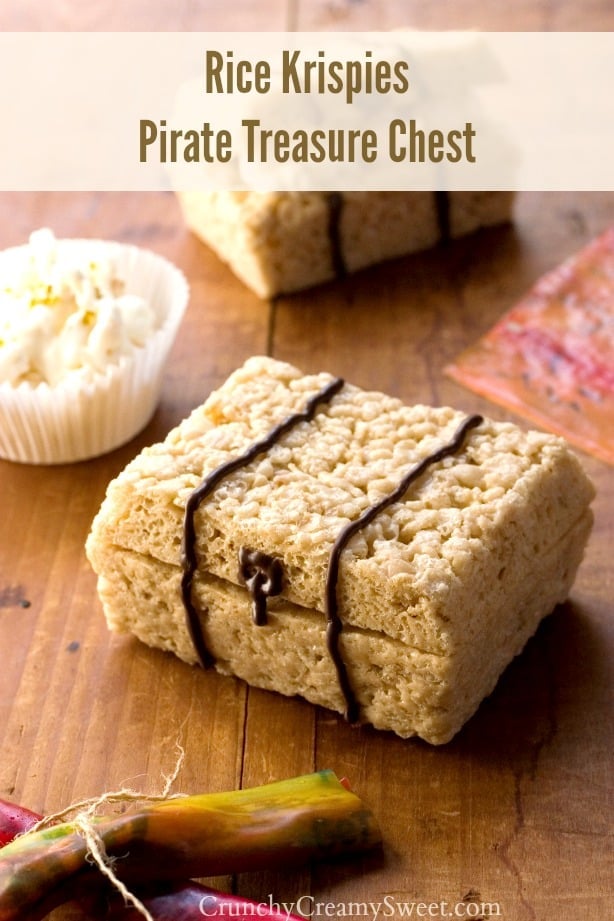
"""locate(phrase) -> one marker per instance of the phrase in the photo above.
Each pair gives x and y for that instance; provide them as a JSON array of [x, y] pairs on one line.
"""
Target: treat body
[[436, 595]]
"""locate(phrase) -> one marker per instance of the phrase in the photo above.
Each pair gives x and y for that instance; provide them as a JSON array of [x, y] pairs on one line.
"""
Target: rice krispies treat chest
[[281, 242], [382, 560]]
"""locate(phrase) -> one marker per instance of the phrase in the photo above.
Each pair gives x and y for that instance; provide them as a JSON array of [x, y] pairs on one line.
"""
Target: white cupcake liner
[[80, 418]]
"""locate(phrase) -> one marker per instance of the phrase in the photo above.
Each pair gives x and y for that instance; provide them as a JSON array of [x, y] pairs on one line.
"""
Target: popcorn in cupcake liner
[[85, 330]]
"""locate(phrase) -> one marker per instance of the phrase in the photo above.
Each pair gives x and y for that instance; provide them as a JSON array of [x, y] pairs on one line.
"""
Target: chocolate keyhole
[[263, 577]]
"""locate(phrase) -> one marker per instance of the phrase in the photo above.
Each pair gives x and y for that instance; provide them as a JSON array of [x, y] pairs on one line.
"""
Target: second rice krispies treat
[[281, 242], [432, 597]]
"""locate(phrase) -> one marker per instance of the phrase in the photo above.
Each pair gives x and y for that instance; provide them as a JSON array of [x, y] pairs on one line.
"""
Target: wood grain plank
[[83, 711], [482, 818], [279, 743]]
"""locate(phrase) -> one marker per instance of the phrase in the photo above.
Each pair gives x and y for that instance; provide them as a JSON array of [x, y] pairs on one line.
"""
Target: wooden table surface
[[515, 810]]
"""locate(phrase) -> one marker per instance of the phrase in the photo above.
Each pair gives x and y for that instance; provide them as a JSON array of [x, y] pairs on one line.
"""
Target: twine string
[[83, 815]]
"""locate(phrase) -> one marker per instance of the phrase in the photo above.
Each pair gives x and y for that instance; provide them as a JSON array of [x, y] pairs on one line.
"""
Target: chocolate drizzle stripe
[[442, 206], [334, 623], [189, 554], [335, 208]]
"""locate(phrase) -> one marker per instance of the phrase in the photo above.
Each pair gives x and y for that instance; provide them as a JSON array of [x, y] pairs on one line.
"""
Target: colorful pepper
[[280, 824], [190, 901], [15, 820]]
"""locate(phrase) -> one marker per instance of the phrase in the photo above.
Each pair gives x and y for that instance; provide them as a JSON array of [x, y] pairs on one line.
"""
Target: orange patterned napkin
[[551, 357]]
